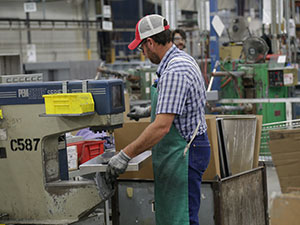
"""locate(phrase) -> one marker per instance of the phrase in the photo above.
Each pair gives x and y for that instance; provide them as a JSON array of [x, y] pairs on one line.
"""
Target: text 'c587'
[[24, 144]]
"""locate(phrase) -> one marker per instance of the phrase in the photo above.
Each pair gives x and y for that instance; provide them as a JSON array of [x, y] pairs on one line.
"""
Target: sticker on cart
[[72, 157], [153, 78], [147, 90], [147, 76], [281, 59], [288, 79], [3, 135]]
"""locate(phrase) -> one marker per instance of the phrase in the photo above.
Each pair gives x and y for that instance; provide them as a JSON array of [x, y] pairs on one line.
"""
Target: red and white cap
[[146, 27]]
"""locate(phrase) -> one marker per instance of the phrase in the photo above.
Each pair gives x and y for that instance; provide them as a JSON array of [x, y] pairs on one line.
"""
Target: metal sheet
[[136, 202], [240, 141], [99, 164], [206, 212], [212, 95], [243, 199]]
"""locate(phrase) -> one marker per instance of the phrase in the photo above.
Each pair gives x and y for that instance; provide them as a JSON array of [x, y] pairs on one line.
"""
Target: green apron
[[170, 169]]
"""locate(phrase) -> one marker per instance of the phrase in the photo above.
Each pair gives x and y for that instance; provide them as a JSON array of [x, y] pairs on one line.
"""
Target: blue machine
[[108, 94]]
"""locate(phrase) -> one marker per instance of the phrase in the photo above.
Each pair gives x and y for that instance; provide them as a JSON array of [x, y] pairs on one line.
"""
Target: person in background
[[177, 134], [179, 38]]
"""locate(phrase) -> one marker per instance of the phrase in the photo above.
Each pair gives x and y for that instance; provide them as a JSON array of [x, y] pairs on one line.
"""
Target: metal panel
[[242, 199], [237, 200], [206, 213], [99, 164], [10, 64], [212, 95], [135, 202], [240, 139]]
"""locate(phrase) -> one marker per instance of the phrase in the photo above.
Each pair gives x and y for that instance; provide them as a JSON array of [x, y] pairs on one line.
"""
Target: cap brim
[[134, 44]]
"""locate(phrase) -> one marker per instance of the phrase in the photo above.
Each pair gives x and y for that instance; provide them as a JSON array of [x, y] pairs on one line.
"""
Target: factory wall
[[61, 44]]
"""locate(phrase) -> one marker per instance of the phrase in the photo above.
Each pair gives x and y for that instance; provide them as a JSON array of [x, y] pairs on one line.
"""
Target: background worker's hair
[[179, 31]]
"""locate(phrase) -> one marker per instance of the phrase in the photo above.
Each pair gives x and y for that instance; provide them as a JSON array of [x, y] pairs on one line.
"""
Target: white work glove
[[116, 166], [138, 112]]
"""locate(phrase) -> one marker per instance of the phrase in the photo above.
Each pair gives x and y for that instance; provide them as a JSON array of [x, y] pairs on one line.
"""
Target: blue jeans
[[199, 155]]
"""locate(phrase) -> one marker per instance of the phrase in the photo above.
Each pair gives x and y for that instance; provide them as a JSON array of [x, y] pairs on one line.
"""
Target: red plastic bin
[[87, 150]]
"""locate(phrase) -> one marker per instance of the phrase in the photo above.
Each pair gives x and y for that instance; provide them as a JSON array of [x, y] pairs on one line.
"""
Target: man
[[178, 124], [179, 38]]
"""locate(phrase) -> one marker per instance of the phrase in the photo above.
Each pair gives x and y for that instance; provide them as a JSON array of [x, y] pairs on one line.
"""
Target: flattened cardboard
[[285, 209], [213, 168], [285, 150]]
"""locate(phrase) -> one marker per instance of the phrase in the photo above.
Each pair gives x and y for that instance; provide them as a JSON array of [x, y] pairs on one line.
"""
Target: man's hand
[[116, 166], [138, 112], [106, 188]]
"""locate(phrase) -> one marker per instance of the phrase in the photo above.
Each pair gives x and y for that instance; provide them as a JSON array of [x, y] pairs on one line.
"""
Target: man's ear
[[151, 43]]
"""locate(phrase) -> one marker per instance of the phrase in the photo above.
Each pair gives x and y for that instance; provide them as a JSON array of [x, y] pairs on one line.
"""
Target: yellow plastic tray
[[69, 103]]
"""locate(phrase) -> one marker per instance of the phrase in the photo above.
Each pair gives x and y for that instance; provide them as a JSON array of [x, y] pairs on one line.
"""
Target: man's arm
[[151, 135]]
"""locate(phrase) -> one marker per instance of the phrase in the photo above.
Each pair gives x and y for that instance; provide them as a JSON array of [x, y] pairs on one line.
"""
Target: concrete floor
[[272, 183]]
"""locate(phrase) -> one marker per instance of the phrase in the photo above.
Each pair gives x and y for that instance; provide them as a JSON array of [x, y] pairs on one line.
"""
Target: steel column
[[214, 43]]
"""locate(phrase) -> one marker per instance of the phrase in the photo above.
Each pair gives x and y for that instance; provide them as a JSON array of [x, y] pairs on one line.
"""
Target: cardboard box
[[285, 150], [124, 136], [285, 209]]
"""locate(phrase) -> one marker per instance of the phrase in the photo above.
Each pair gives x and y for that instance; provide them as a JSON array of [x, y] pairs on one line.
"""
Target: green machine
[[139, 84], [252, 82], [256, 81], [253, 78]]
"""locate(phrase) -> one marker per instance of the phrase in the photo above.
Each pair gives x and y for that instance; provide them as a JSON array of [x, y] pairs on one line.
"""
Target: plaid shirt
[[181, 91]]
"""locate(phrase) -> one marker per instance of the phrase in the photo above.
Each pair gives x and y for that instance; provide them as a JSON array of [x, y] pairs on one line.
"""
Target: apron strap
[[192, 139], [198, 125]]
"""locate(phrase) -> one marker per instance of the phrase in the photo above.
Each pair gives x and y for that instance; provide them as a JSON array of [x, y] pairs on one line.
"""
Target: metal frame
[[223, 153], [55, 24], [288, 102]]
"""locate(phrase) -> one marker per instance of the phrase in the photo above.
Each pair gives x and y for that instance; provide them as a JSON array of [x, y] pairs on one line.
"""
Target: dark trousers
[[199, 155]]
